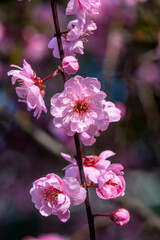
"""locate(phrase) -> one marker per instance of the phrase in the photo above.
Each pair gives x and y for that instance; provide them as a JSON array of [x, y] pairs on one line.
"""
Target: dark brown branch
[[81, 172], [58, 34]]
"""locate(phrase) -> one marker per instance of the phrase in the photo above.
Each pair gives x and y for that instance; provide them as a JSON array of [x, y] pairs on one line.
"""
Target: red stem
[[46, 78], [91, 185]]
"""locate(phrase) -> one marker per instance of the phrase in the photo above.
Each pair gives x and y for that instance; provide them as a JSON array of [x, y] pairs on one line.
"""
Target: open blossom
[[92, 165], [121, 216], [81, 108], [72, 41], [81, 7], [69, 48], [110, 185], [70, 65], [53, 195], [78, 29], [30, 88]]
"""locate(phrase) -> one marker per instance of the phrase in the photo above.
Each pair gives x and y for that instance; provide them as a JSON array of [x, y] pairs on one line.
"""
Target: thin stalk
[[76, 136], [58, 33], [59, 70], [87, 202]]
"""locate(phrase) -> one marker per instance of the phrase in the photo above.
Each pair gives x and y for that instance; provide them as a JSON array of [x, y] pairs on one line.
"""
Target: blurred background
[[124, 54]]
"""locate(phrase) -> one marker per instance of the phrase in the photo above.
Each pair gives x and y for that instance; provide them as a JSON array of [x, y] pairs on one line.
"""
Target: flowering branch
[[76, 137]]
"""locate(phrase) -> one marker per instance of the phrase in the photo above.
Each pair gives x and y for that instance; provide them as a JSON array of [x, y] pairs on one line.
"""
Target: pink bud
[[70, 65], [121, 216]]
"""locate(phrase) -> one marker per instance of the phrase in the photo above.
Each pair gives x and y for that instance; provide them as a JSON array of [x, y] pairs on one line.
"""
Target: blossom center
[[90, 161], [81, 106], [111, 182], [51, 194], [39, 83]]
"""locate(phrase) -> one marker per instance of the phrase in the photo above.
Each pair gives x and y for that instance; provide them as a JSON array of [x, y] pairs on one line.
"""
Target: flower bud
[[70, 65], [121, 216]]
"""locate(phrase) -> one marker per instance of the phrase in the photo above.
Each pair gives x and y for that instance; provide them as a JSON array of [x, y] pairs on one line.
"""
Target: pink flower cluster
[[98, 170], [53, 195], [73, 40], [81, 108], [30, 88], [77, 29]]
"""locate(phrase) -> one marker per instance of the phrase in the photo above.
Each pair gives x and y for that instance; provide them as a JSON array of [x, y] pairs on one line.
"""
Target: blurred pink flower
[[70, 65], [121, 216], [2, 31], [110, 185], [81, 108], [60, 134], [46, 237], [92, 166], [149, 72], [122, 107], [30, 89], [53, 195], [36, 43]]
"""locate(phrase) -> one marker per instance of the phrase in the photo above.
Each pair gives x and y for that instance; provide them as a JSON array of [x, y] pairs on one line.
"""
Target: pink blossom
[[92, 166], [81, 7], [121, 216], [30, 89], [70, 65], [72, 41], [53, 195], [69, 48], [110, 185], [81, 108], [77, 29], [46, 237]]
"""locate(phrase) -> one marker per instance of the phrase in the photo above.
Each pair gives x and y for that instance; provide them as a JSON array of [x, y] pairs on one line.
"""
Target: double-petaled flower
[[81, 108], [53, 195]]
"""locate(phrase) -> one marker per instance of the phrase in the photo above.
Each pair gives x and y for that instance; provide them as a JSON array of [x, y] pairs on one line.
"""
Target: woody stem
[[87, 202], [58, 34]]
